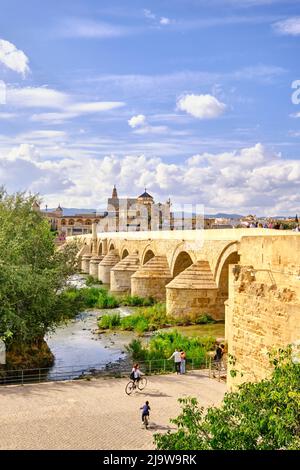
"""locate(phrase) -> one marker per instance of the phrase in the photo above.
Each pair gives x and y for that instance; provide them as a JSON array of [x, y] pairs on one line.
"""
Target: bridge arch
[[181, 260], [124, 253], [111, 246], [228, 256], [100, 248], [147, 254]]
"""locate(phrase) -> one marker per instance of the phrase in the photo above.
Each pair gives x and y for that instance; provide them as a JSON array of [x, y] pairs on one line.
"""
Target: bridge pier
[[150, 280], [193, 293], [120, 274], [85, 263], [105, 266], [94, 263]]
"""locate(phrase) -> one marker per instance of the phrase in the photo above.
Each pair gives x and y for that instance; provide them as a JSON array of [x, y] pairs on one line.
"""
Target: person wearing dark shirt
[[219, 353], [145, 410]]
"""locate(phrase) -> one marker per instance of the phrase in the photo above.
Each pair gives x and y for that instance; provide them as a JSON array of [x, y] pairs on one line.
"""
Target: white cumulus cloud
[[141, 126], [201, 106], [290, 26], [164, 20], [137, 121], [249, 180], [13, 58]]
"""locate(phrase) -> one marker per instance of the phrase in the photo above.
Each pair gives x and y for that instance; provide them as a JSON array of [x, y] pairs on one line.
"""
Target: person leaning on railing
[[177, 360]]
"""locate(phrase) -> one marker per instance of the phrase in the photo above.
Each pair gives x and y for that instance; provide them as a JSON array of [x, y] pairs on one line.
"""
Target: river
[[76, 345]]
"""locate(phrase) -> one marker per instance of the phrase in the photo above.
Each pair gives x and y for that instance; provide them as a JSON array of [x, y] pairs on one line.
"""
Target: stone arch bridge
[[250, 277]]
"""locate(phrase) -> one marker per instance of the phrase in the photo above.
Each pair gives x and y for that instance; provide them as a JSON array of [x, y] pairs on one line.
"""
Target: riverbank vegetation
[[259, 416], [100, 297], [90, 281], [33, 274], [147, 319], [163, 343], [144, 319]]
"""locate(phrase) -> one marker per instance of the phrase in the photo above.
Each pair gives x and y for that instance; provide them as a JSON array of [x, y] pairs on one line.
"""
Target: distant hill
[[220, 215], [73, 211], [223, 215]]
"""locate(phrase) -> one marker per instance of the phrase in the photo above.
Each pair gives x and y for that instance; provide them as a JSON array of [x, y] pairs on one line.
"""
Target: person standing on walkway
[[218, 357], [182, 363], [177, 360]]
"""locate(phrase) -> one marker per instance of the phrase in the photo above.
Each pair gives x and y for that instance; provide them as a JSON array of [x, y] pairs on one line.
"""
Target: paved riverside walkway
[[96, 414]]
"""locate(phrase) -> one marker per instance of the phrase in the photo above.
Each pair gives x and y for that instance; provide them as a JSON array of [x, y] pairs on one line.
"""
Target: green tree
[[259, 416], [33, 273]]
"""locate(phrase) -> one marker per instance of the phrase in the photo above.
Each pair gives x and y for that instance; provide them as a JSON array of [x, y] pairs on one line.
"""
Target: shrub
[[106, 300], [91, 295], [130, 322], [204, 319], [91, 281], [136, 350], [163, 344], [136, 301], [142, 325], [148, 301], [109, 321]]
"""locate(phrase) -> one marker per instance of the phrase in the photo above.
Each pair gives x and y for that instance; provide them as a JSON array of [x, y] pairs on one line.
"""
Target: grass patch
[[144, 319], [109, 321], [100, 297], [136, 301], [204, 319]]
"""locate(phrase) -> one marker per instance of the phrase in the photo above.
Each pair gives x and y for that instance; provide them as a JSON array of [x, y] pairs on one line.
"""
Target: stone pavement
[[96, 414]]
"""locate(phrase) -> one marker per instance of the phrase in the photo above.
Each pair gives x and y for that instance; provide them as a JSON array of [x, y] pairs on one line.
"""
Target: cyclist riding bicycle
[[136, 373]]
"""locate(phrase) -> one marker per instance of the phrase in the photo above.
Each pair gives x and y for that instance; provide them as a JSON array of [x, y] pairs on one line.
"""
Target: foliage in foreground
[[259, 416], [163, 343], [33, 272]]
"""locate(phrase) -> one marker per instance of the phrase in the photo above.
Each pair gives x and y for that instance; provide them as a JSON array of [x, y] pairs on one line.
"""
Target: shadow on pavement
[[159, 427]]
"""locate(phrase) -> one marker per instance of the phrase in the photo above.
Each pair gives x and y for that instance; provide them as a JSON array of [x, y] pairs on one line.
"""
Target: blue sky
[[190, 98]]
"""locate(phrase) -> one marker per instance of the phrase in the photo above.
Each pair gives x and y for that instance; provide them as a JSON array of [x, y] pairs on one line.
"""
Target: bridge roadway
[[96, 414]]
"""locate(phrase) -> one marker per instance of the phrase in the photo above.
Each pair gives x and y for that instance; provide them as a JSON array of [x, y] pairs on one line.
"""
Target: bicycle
[[140, 385]]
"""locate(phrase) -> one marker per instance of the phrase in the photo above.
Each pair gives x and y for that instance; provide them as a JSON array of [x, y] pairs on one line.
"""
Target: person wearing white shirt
[[177, 360]]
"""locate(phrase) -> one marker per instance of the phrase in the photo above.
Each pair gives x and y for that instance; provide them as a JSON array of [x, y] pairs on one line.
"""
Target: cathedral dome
[[145, 197]]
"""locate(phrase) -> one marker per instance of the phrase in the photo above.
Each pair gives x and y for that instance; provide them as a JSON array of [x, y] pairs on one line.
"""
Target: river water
[[77, 346]]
